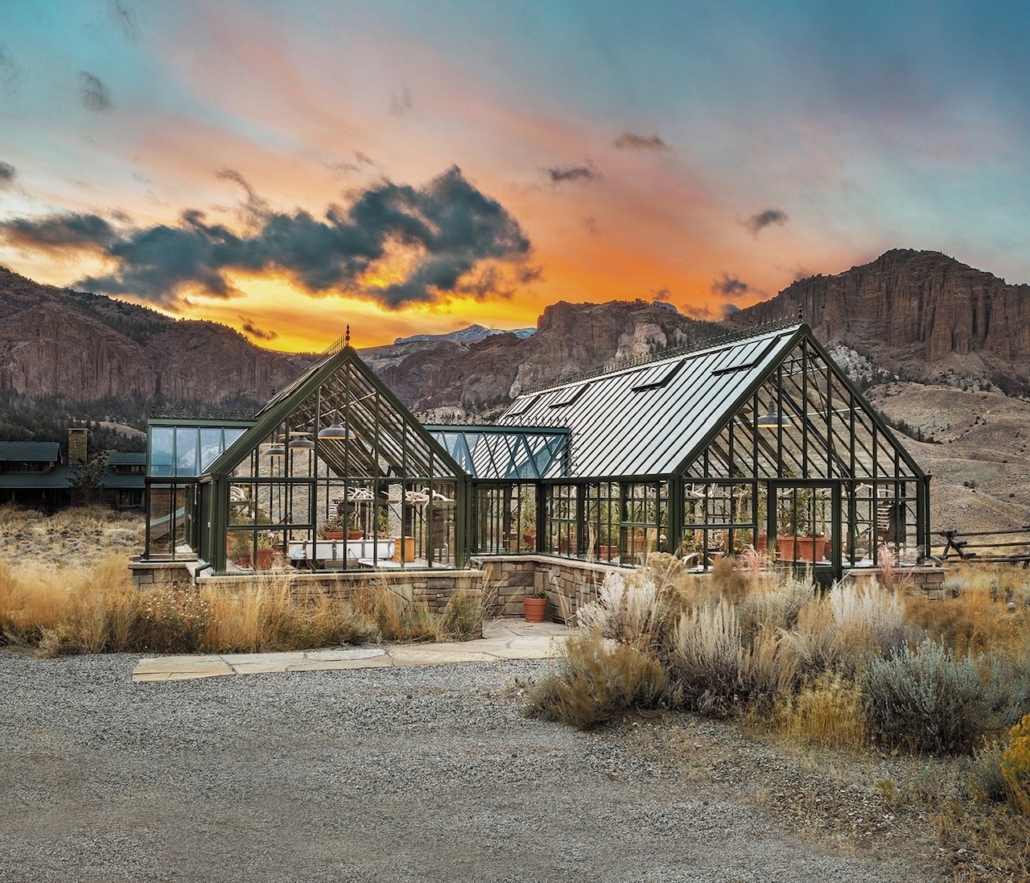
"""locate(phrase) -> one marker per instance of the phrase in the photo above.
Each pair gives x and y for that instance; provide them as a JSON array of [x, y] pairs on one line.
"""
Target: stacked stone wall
[[569, 583], [422, 587]]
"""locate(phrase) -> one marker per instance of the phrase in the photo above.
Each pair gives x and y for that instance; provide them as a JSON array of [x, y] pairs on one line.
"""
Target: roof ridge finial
[[346, 339], [801, 312]]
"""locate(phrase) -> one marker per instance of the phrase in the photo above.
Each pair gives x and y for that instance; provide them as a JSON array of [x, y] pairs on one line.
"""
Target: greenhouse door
[[805, 527]]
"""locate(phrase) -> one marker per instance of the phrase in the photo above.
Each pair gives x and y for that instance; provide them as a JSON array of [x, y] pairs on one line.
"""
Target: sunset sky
[[412, 166]]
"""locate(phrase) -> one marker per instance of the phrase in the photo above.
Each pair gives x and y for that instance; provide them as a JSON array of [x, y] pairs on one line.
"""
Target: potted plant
[[353, 523], [240, 547], [535, 606], [332, 528], [265, 550]]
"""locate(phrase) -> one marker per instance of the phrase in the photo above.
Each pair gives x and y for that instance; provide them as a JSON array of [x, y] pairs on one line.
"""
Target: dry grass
[[989, 613], [828, 711], [595, 680], [86, 603]]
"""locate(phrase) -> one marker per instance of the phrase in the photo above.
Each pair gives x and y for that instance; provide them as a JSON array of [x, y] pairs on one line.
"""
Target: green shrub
[[927, 700]]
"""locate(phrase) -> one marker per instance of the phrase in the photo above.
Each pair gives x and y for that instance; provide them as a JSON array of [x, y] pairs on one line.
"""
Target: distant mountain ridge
[[469, 334]]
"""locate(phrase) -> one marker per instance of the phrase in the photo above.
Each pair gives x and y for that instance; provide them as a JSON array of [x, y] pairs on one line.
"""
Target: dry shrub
[[927, 700], [271, 613], [462, 618], [1015, 766], [838, 631], [730, 582], [714, 668], [828, 711], [774, 604], [626, 610], [395, 619], [981, 618], [595, 680]]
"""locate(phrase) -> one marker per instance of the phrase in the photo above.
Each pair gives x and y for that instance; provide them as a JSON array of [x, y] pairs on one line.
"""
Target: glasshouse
[[758, 442]]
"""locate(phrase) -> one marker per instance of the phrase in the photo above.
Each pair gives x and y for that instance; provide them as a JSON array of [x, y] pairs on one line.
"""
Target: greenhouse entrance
[[805, 526]]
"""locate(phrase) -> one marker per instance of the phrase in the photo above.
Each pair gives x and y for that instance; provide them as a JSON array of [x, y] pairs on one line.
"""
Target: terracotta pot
[[355, 534], [333, 535], [535, 608], [785, 548], [264, 558]]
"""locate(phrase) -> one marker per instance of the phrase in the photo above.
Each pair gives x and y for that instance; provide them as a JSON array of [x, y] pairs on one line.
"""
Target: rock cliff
[[921, 314], [84, 347], [570, 339]]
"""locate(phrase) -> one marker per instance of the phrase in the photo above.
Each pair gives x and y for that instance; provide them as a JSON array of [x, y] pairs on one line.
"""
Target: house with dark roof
[[35, 475]]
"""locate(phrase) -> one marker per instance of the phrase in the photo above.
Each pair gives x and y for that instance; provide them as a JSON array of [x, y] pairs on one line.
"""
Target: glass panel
[[210, 447], [162, 451], [187, 454]]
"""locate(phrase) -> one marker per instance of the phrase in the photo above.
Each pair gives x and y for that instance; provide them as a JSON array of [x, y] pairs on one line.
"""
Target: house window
[[130, 499]]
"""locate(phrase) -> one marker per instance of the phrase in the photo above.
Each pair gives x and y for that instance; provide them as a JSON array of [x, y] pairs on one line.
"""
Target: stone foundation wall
[[929, 580], [569, 583], [434, 590], [147, 574]]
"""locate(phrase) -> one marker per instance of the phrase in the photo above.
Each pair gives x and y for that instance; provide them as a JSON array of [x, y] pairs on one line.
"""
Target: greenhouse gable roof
[[650, 419]]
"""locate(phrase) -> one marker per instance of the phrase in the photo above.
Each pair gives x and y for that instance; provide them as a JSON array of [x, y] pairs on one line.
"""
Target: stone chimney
[[77, 437]]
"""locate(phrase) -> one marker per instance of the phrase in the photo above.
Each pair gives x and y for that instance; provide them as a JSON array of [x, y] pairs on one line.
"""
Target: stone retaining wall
[[434, 589], [569, 583], [147, 574]]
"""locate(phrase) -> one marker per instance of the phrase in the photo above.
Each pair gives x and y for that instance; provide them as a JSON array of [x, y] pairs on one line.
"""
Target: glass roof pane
[[656, 376], [524, 405], [568, 395]]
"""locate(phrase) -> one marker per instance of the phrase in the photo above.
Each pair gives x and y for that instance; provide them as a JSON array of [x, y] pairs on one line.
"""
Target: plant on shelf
[[332, 528]]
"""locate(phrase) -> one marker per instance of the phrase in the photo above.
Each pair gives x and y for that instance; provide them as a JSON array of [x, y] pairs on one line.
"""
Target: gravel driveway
[[380, 774]]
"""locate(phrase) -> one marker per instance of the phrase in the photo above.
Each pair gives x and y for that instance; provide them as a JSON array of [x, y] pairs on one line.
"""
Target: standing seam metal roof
[[621, 432]]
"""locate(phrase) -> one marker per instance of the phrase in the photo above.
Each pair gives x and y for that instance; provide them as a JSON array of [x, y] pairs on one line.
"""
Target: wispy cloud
[[10, 72], [760, 220], [730, 287], [7, 173], [400, 102], [250, 328], [633, 141], [447, 232], [95, 95], [60, 233], [563, 174], [124, 17]]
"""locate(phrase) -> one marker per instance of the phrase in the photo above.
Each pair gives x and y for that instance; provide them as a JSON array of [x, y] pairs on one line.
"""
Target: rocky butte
[[920, 314]]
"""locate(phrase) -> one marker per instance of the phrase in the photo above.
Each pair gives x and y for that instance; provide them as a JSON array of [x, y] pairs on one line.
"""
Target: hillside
[[84, 347]]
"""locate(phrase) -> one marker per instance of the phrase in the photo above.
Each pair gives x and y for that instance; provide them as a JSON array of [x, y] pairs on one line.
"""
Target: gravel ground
[[402, 774]]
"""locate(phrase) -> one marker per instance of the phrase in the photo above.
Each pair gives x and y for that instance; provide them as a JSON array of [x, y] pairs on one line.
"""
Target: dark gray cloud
[[561, 174], [632, 141], [250, 328], [10, 73], [7, 173], [95, 95], [453, 228], [70, 232], [730, 287], [759, 221], [364, 158], [124, 17]]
